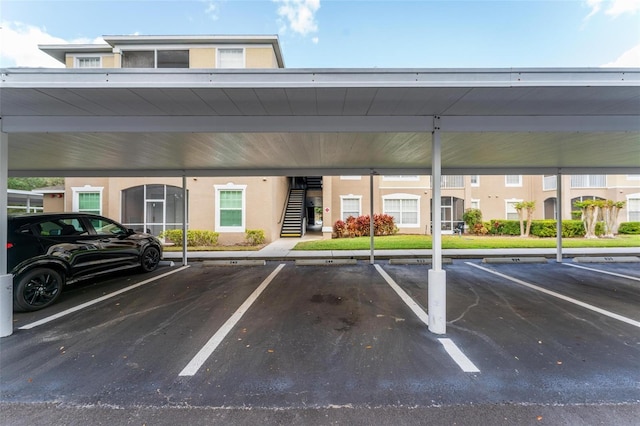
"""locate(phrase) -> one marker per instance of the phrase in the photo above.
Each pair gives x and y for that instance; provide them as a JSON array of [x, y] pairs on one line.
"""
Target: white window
[[475, 180], [475, 204], [633, 177], [350, 205], [549, 182], [511, 211], [401, 178], [230, 58], [633, 207], [89, 62], [405, 209], [588, 181], [452, 181], [513, 180], [230, 208], [87, 199]]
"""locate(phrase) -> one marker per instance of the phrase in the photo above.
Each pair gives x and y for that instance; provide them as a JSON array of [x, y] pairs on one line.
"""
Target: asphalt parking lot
[[525, 344]]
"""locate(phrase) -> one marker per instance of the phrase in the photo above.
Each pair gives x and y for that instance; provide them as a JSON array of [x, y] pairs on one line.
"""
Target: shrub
[[254, 237], [473, 217], [629, 228], [194, 237], [383, 224]]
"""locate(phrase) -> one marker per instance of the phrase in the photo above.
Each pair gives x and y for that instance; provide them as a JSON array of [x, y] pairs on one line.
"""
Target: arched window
[[153, 208]]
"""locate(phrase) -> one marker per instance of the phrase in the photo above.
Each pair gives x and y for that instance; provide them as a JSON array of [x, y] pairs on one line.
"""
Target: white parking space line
[[98, 300], [417, 309], [454, 352], [629, 277], [206, 351], [560, 296]]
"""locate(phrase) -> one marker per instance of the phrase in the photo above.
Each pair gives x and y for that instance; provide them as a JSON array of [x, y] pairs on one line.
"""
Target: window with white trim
[[513, 180], [549, 182], [633, 207], [511, 211], [588, 181], [350, 205], [405, 209], [475, 204], [475, 180], [230, 208], [87, 199], [89, 62], [451, 181], [231, 58]]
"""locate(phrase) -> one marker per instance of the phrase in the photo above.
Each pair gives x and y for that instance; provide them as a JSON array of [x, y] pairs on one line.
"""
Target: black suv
[[48, 250]]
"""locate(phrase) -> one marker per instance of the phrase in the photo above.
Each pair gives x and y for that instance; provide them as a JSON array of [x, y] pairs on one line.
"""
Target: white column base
[[6, 305], [437, 306]]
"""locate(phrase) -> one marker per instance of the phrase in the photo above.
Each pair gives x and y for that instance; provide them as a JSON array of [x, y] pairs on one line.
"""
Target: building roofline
[[59, 51]]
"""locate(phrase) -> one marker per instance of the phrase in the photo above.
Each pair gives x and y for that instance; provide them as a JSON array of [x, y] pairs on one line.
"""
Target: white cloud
[[299, 15], [19, 45], [315, 40], [613, 7], [630, 58], [212, 10]]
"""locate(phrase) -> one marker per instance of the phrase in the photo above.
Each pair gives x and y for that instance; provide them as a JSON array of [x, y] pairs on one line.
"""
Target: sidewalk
[[282, 249]]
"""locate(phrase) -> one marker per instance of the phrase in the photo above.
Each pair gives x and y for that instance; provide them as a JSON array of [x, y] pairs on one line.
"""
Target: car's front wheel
[[150, 259], [36, 289]]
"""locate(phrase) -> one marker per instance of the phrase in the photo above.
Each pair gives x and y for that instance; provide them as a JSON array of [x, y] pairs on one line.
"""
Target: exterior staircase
[[294, 213]]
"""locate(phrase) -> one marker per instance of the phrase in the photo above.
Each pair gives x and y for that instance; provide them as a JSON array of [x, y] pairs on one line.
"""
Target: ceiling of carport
[[293, 122]]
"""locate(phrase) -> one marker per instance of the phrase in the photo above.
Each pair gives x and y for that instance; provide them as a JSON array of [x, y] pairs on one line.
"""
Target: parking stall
[[324, 335]]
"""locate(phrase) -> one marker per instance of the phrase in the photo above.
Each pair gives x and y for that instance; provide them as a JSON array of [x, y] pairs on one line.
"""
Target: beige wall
[[202, 58], [260, 57], [265, 198], [53, 203]]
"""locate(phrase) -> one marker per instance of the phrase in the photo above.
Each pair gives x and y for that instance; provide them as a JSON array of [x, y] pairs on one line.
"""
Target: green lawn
[[464, 242]]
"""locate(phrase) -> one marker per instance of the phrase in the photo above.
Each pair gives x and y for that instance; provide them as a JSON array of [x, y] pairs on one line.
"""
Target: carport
[[124, 122]]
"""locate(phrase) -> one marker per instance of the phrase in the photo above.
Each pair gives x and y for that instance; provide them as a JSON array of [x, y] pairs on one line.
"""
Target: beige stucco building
[[232, 205]]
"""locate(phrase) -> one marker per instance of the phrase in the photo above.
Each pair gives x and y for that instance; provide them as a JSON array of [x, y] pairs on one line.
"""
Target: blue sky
[[350, 34]]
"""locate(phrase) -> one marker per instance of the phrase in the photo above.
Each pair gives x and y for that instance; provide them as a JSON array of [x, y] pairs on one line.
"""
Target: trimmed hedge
[[629, 228], [541, 228], [194, 237]]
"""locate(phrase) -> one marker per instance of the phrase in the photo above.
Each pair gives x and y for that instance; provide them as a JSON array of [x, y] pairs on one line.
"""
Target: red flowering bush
[[383, 224]]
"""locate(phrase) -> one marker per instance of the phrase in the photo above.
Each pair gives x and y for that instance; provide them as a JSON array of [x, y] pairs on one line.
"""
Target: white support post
[[184, 220], [559, 217], [6, 279], [371, 224], [437, 293]]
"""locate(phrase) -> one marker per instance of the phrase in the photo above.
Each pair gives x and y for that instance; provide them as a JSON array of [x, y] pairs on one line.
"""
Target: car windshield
[[105, 227]]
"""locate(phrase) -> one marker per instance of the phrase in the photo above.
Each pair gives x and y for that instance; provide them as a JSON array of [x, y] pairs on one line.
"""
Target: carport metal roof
[[130, 122]]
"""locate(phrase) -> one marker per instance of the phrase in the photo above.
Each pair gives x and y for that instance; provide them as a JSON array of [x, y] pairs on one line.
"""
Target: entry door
[[154, 221]]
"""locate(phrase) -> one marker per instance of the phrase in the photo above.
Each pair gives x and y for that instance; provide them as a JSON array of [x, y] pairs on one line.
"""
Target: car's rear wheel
[[37, 289], [150, 259]]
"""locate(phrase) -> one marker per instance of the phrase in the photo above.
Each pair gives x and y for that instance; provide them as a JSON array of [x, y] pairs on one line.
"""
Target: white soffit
[[253, 122]]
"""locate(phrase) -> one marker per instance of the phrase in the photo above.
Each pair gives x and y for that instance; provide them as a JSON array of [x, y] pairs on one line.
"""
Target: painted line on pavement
[[560, 296], [417, 309], [206, 351], [98, 300], [603, 272], [454, 352]]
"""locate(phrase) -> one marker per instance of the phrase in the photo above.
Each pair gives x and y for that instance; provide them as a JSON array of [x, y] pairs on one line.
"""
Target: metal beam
[[6, 279]]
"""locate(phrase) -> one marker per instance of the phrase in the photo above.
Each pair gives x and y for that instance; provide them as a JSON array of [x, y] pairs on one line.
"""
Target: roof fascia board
[[301, 78]]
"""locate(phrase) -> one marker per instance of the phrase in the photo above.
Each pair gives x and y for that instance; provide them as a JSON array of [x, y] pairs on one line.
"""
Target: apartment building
[[288, 206]]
